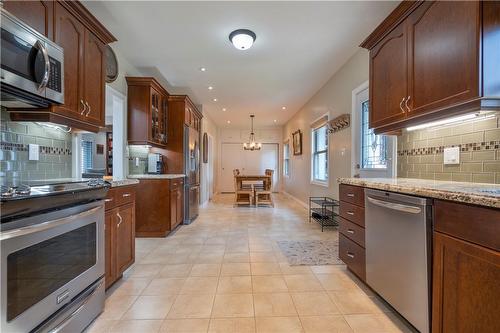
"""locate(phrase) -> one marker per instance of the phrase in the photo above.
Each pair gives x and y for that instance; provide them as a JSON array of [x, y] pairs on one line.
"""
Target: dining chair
[[242, 196], [264, 195]]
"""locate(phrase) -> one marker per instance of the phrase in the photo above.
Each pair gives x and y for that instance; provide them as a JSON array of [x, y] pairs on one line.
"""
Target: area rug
[[311, 252]]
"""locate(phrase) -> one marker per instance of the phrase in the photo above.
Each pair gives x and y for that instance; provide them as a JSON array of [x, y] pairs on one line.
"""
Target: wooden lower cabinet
[[119, 232]]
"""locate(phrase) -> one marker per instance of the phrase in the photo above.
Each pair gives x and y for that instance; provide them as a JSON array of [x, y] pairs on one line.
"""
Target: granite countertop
[[114, 182], [473, 193], [157, 176], [123, 182]]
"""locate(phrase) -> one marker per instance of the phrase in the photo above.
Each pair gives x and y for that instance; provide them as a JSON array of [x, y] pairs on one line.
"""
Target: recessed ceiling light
[[210, 87], [224, 109], [202, 69], [283, 108], [275, 120], [242, 39], [229, 121], [215, 100]]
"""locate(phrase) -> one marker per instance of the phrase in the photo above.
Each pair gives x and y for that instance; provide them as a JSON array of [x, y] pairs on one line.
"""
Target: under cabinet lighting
[[449, 121]]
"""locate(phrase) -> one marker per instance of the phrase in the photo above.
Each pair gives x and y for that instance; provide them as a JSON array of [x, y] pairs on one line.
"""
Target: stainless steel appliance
[[192, 171], [52, 256], [398, 247], [32, 66], [155, 163]]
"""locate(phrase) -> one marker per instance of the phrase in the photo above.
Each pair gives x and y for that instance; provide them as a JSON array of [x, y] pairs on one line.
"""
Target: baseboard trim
[[300, 202]]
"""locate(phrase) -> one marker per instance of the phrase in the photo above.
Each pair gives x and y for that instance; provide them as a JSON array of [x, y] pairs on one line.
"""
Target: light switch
[[452, 155], [33, 152]]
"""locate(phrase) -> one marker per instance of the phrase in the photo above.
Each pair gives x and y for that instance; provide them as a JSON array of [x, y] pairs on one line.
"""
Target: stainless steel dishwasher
[[398, 246]]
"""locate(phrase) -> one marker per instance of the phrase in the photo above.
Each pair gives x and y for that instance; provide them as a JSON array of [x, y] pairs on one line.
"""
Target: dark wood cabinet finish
[[433, 59], [352, 194], [353, 255], [147, 112], [353, 213], [71, 26], [36, 14], [352, 231], [119, 232], [465, 286]]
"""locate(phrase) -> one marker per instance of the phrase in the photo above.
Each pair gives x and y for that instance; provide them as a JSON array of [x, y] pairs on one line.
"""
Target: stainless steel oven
[[52, 268], [32, 66]]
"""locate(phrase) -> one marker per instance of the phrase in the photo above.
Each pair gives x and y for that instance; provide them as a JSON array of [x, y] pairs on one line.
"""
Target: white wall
[[209, 127], [333, 98]]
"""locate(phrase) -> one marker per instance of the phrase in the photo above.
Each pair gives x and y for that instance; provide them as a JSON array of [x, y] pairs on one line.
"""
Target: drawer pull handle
[[350, 255], [350, 231], [108, 200], [121, 220], [350, 213], [126, 195], [350, 195]]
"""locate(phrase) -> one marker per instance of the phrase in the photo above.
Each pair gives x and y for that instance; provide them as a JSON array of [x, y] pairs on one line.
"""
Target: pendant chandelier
[[251, 144]]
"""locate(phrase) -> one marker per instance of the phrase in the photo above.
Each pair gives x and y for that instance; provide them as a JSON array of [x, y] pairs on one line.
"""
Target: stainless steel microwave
[[32, 66]]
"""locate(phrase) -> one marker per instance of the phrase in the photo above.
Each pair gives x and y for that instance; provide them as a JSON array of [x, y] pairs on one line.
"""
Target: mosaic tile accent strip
[[466, 147], [43, 149]]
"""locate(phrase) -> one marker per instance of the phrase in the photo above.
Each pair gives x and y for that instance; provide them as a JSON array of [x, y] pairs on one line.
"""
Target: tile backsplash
[[55, 152], [420, 152], [139, 154]]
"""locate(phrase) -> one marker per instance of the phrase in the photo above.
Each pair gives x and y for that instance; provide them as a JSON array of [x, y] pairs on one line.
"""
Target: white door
[[232, 157], [373, 155], [210, 167]]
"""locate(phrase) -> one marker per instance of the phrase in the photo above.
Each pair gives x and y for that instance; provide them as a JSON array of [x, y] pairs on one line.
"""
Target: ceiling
[[299, 46]]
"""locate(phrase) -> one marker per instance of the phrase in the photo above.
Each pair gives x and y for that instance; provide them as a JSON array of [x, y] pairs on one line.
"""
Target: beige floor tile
[[205, 270], [145, 271], [232, 269], [192, 306], [233, 306], [116, 306], [294, 270], [232, 325], [328, 269], [179, 270], [234, 284], [134, 326], [354, 302], [273, 305], [150, 307], [131, 286], [164, 286], [199, 285], [304, 282], [313, 303], [100, 325], [375, 323], [336, 281], [262, 257], [278, 325], [324, 324], [265, 268], [185, 326], [268, 284], [236, 257]]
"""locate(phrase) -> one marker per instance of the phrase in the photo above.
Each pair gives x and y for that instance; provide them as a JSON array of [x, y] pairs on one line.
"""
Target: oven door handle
[[74, 313], [45, 79], [395, 206], [46, 225]]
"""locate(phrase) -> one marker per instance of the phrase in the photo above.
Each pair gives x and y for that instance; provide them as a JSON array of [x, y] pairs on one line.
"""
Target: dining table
[[265, 179]]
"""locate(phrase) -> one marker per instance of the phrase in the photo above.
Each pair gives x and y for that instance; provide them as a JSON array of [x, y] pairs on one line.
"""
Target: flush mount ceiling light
[[242, 39], [251, 144]]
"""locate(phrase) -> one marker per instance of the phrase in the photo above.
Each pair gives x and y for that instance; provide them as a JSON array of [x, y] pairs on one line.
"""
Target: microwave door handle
[[45, 79], [395, 206], [46, 225]]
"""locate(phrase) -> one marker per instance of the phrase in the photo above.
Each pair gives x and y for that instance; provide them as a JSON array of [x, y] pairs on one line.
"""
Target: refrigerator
[[192, 172]]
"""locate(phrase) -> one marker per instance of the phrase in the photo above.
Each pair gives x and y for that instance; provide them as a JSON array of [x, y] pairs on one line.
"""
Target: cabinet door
[[69, 33], [173, 208], [388, 78], [465, 287], [164, 119], [155, 116], [125, 237], [109, 241], [36, 14], [444, 54], [180, 204], [94, 85]]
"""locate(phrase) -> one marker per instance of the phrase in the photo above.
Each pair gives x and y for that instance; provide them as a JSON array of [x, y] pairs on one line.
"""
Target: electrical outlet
[[451, 156], [33, 152]]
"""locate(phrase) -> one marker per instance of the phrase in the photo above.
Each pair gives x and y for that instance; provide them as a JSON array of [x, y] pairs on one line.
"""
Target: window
[[286, 159], [373, 147], [87, 154], [320, 154]]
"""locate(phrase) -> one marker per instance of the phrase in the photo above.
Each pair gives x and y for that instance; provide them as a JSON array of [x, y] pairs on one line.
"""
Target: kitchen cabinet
[[160, 206], [36, 14], [83, 38], [119, 232], [147, 112], [432, 60], [466, 268]]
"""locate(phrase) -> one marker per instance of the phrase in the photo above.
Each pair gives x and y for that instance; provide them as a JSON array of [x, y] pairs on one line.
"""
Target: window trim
[[286, 147], [315, 125]]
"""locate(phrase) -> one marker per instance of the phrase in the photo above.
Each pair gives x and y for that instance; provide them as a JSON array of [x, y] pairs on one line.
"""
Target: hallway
[[225, 273]]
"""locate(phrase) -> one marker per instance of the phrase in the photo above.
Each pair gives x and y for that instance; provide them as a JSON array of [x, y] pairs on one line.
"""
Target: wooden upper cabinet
[[94, 82], [36, 14], [388, 67], [450, 52], [70, 35], [444, 55]]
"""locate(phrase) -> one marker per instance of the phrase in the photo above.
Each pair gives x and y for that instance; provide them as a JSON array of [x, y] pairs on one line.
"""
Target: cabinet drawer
[[353, 255], [352, 194], [475, 224], [352, 231], [352, 213], [176, 182], [110, 201]]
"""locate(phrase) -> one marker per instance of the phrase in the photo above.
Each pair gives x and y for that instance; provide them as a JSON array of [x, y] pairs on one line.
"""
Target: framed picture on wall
[[297, 142], [205, 148], [99, 149]]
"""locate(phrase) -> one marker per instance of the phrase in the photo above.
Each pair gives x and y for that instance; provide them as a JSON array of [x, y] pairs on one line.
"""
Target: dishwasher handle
[[395, 206]]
